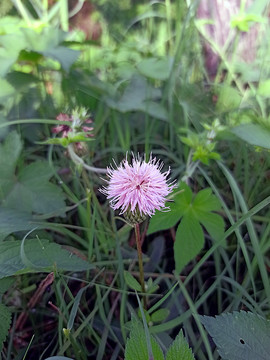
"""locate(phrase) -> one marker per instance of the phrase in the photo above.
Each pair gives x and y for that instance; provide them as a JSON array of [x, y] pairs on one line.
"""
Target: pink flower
[[75, 127], [139, 187], [64, 129]]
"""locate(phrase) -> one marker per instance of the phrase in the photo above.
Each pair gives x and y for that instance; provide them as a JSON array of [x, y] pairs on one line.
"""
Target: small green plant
[[143, 346]]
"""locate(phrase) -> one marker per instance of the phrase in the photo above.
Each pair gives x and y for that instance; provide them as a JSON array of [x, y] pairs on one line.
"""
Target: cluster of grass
[[145, 84]]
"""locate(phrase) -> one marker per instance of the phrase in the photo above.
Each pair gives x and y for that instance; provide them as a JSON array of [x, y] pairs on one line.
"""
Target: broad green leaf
[[5, 284], [156, 68], [140, 96], [214, 224], [5, 320], [179, 350], [239, 335], [34, 192], [163, 220], [13, 220], [64, 55], [136, 346], [189, 241], [205, 201], [42, 254], [132, 282], [48, 43], [253, 134], [9, 153]]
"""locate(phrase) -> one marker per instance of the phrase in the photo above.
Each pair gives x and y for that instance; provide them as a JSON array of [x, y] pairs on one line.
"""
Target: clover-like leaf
[[194, 213]]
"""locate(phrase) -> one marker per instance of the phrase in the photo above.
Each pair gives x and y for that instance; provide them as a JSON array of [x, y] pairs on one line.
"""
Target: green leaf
[[163, 220], [228, 99], [13, 220], [179, 350], [253, 134], [160, 315], [264, 88], [205, 201], [6, 90], [189, 235], [240, 335], [5, 284], [140, 96], [189, 241], [34, 192], [9, 153], [5, 320], [42, 254], [131, 281], [136, 346], [156, 68], [214, 224]]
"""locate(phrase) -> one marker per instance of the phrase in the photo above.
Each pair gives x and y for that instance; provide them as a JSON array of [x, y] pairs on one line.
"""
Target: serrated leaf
[[253, 134], [5, 320], [131, 281], [42, 254], [239, 335], [179, 350], [160, 315], [136, 346], [189, 241]]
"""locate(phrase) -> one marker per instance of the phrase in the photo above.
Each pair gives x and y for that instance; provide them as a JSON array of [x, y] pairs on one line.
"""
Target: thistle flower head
[[139, 188]]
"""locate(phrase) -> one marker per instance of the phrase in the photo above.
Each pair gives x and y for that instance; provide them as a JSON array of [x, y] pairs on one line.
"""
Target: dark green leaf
[[34, 192], [179, 350], [240, 335], [136, 347], [156, 68], [132, 282], [5, 284], [205, 201], [41, 253], [160, 315], [9, 153], [5, 320], [188, 242], [163, 220], [13, 220], [140, 96]]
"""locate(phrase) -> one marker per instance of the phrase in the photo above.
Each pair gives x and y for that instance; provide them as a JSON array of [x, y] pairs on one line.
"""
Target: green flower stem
[[139, 250], [78, 161]]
